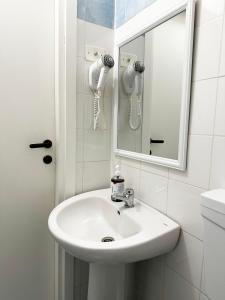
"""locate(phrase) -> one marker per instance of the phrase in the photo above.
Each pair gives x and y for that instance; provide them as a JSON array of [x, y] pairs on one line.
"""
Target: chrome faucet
[[127, 197]]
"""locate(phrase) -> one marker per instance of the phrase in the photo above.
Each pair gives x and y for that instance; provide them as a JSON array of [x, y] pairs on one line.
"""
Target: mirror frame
[[158, 13]]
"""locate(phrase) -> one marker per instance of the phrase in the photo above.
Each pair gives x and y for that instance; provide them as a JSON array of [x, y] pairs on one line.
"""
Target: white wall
[[179, 275], [93, 147]]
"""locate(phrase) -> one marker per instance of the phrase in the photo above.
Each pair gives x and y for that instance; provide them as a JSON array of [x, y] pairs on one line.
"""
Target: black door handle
[[156, 141], [46, 144]]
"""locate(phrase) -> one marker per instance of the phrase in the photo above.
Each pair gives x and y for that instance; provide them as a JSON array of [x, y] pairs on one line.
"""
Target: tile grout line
[[169, 178], [187, 281], [215, 110]]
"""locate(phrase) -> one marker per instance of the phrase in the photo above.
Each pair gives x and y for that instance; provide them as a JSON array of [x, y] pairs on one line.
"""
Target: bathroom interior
[[112, 157]]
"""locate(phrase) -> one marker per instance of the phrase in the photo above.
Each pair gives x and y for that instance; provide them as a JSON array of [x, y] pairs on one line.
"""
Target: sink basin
[[82, 223]]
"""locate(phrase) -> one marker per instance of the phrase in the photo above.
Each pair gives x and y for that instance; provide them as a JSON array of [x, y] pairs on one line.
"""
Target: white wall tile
[[203, 280], [203, 103], [176, 288], [107, 112], [151, 273], [99, 36], [207, 49], [132, 177], [96, 175], [220, 109], [153, 190], [79, 178], [198, 162], [184, 207], [96, 145], [115, 160], [217, 177], [222, 62], [131, 162], [187, 258], [208, 10], [158, 170]]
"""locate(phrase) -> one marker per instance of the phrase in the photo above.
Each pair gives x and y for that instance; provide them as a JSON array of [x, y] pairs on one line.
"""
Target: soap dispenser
[[117, 183]]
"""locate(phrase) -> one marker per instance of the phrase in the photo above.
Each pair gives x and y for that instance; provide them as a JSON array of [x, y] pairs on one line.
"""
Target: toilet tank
[[213, 213]]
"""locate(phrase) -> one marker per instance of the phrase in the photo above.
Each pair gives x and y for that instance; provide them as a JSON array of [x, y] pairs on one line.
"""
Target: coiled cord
[[97, 109], [139, 114]]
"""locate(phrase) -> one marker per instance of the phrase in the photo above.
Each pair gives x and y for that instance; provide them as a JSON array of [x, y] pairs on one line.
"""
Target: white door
[[26, 116]]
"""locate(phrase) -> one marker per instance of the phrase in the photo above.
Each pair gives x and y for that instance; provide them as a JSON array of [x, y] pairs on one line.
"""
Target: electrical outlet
[[127, 58], [92, 53]]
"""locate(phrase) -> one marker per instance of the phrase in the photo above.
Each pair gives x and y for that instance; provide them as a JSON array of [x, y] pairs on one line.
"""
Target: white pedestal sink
[[81, 223]]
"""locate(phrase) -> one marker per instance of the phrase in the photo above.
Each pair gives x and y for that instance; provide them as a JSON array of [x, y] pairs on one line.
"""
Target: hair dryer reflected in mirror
[[98, 72], [133, 86]]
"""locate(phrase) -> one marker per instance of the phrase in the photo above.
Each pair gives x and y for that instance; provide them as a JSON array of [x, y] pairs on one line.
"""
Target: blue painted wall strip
[[99, 12], [110, 13], [126, 9]]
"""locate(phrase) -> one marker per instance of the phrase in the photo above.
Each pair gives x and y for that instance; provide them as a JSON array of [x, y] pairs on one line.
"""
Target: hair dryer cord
[[139, 114], [97, 109]]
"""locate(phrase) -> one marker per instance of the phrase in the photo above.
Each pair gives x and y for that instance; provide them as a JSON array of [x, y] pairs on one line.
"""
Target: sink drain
[[107, 239]]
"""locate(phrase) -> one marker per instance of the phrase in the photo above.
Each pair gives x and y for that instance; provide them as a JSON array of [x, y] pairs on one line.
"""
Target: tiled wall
[[126, 9], [93, 147], [180, 274], [99, 12]]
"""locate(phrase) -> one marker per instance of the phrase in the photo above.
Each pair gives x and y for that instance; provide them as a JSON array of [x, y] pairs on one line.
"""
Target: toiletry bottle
[[117, 182]]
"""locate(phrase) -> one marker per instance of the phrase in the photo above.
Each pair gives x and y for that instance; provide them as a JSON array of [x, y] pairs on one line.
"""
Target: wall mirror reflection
[[153, 91]]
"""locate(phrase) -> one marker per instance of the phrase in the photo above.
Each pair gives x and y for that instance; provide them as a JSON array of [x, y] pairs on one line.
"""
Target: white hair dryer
[[97, 78], [98, 72], [133, 82], [133, 76]]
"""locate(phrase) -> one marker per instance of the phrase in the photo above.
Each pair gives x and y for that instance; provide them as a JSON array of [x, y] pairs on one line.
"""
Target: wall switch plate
[[127, 58], [92, 53]]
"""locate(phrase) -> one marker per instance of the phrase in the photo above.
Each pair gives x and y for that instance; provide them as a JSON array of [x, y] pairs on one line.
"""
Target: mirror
[[152, 73]]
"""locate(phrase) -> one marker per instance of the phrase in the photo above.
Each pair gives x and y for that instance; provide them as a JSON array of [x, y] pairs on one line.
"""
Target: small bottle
[[117, 184]]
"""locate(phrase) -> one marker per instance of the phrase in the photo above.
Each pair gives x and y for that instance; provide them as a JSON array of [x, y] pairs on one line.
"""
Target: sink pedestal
[[107, 282]]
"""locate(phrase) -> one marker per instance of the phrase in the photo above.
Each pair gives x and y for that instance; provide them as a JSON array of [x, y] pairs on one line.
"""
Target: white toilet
[[213, 212]]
